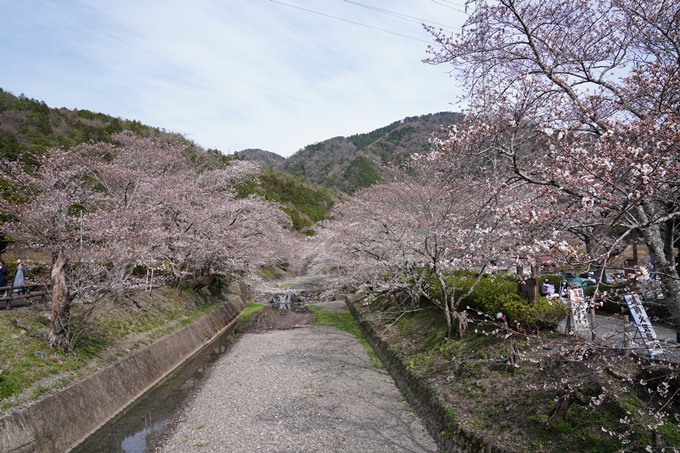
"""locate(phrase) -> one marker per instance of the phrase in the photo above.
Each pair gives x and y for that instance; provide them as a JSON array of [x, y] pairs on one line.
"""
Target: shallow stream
[[140, 427]]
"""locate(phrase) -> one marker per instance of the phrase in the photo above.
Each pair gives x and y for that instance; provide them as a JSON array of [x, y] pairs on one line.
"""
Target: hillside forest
[[567, 153]]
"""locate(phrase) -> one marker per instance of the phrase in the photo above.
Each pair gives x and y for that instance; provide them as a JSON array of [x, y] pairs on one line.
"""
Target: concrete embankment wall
[[61, 421], [448, 434]]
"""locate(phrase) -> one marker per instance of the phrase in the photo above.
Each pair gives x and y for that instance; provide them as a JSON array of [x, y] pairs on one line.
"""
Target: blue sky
[[230, 74]]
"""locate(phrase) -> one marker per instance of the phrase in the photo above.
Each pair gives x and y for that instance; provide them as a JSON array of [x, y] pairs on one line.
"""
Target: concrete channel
[[65, 421], [136, 430]]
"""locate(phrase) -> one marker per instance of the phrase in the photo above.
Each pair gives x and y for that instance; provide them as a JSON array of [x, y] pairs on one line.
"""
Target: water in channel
[[137, 429], [284, 301]]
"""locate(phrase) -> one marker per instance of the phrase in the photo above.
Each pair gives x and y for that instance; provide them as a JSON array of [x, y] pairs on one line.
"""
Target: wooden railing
[[15, 296]]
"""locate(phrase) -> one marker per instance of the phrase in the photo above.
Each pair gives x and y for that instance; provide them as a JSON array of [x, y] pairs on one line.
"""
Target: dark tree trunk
[[670, 280], [597, 266], [513, 357], [61, 305], [459, 324]]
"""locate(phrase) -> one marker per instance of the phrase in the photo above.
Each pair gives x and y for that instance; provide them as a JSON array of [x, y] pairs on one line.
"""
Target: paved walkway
[[310, 389], [609, 329]]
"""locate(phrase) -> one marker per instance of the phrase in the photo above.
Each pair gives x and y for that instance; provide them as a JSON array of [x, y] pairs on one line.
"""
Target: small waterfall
[[284, 301]]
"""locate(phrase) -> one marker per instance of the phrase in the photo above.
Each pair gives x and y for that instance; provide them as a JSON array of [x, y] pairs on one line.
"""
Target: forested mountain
[[349, 163], [266, 158], [29, 127]]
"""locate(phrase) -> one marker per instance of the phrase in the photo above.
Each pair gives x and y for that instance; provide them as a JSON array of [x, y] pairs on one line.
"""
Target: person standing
[[20, 277], [547, 288], [3, 277]]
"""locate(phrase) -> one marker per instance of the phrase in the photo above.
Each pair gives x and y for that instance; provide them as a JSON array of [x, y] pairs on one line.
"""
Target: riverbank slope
[[56, 419]]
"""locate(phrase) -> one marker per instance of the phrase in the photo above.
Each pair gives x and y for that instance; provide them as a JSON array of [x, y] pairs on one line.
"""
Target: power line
[[457, 4], [350, 21], [450, 7], [397, 15]]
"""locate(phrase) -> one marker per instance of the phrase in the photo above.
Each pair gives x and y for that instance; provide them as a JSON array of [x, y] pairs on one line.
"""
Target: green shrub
[[495, 294], [491, 294], [8, 386], [542, 314]]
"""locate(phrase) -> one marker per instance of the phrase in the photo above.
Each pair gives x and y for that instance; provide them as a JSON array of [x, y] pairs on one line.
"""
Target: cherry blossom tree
[[580, 100], [44, 210], [103, 209], [412, 231]]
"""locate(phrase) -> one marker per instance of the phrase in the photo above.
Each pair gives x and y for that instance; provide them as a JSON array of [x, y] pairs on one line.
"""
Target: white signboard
[[579, 309], [644, 327]]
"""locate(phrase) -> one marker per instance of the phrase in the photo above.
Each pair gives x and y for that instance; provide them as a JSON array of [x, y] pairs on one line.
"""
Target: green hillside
[[352, 163], [304, 203], [29, 127]]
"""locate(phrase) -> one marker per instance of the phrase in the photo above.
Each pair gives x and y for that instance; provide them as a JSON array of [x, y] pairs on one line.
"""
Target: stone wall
[[450, 436], [62, 421]]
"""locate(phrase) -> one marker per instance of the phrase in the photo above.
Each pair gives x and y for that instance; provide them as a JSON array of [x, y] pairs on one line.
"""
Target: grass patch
[[30, 368], [477, 391], [270, 273], [344, 320], [251, 310]]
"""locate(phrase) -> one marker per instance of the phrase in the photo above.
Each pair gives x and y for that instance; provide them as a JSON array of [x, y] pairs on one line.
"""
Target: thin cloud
[[230, 75]]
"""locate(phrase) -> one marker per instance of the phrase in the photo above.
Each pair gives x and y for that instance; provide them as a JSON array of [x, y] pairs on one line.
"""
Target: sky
[[232, 74]]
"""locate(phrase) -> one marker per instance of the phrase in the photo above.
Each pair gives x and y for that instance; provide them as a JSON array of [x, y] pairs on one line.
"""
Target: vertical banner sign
[[643, 326], [579, 310]]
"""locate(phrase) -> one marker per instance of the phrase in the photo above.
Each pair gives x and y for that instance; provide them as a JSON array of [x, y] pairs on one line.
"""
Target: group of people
[[19, 277], [548, 289]]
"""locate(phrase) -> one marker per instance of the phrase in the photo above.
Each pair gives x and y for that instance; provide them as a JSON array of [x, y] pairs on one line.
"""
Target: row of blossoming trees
[[102, 210], [570, 146]]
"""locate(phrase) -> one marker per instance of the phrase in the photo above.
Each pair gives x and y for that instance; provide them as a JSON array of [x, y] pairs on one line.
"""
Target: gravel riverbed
[[307, 389]]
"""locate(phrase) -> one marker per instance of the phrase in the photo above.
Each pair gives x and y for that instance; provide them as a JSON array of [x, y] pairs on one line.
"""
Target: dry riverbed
[[290, 386]]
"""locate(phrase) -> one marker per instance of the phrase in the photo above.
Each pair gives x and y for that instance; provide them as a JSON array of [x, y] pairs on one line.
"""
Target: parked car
[[588, 277], [572, 279], [587, 274], [616, 277]]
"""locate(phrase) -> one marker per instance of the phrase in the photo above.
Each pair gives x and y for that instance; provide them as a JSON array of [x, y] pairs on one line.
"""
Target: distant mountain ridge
[[29, 128], [266, 158], [349, 163]]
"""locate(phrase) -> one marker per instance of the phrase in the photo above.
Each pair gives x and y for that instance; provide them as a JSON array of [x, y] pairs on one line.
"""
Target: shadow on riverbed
[[143, 427], [274, 319]]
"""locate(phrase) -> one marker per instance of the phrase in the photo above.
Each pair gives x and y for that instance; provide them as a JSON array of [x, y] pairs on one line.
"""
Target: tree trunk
[[560, 408], [670, 280], [459, 324], [535, 277], [597, 266], [448, 313], [513, 357], [449, 325], [445, 303], [61, 305]]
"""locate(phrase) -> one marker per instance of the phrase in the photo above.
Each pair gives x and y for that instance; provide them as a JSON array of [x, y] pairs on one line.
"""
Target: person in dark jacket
[[3, 277], [547, 288]]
